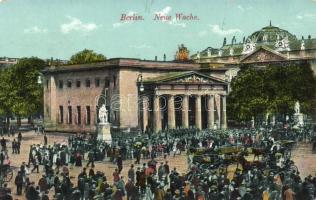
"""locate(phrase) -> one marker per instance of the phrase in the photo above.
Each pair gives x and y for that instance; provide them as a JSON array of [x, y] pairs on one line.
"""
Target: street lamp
[[40, 78], [140, 79]]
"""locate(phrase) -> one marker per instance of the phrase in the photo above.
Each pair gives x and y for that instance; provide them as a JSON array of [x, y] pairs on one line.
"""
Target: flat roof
[[124, 63]]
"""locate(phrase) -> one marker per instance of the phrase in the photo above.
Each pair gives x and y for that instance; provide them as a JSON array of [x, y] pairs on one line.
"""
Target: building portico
[[189, 96]]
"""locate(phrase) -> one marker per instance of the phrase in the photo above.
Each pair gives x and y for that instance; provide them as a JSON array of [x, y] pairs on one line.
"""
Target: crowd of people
[[269, 178]]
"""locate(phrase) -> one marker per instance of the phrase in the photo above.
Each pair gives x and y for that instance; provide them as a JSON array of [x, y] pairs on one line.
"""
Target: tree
[[86, 56], [247, 98], [275, 89], [20, 93]]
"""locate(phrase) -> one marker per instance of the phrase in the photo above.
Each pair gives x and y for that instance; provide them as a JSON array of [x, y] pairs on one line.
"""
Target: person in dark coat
[[19, 183], [91, 159], [20, 137], [43, 185], [78, 160], [32, 193], [131, 173], [45, 139], [119, 162]]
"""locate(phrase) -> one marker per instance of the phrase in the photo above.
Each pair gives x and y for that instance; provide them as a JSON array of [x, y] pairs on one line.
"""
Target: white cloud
[[142, 46], [164, 12], [217, 30], [174, 22], [306, 15], [1, 1], [35, 29], [243, 9], [202, 33], [299, 17], [76, 25], [119, 24]]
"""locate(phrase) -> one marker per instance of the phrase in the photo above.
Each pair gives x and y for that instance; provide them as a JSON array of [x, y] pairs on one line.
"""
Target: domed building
[[270, 44]]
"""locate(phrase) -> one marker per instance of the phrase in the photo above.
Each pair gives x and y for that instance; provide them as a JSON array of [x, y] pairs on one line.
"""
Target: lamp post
[[140, 80], [40, 82], [141, 89]]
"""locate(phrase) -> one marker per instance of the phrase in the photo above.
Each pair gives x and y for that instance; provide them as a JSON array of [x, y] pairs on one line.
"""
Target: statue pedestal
[[104, 132], [299, 119]]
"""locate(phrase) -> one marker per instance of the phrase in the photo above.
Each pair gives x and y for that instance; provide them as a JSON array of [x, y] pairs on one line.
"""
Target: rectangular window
[[114, 81], [69, 115], [69, 83], [88, 114], [61, 114], [106, 83], [79, 114], [87, 82], [60, 84], [97, 82], [78, 83]]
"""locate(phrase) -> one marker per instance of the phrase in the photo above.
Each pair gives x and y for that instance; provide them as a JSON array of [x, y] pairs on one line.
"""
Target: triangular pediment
[[263, 54], [185, 77]]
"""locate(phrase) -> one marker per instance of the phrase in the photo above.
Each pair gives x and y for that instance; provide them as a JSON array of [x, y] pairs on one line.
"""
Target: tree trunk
[[8, 122], [18, 121], [30, 120]]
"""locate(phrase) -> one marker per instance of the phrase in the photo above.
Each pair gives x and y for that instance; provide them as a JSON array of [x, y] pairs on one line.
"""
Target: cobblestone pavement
[[302, 154]]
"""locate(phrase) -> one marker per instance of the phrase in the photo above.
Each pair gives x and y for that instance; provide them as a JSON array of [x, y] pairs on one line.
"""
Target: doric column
[[171, 113], [157, 117], [145, 112], [185, 111], [224, 118], [210, 112], [198, 113]]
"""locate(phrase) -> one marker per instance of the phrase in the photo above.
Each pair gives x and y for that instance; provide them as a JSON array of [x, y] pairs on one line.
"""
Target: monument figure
[[104, 127], [297, 108], [103, 115], [298, 116]]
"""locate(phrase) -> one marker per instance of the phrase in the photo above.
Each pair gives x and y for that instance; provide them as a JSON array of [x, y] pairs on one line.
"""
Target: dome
[[270, 34]]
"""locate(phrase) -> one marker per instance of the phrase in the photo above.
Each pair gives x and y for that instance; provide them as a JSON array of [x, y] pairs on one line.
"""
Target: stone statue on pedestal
[[103, 115], [297, 108], [298, 116], [104, 127]]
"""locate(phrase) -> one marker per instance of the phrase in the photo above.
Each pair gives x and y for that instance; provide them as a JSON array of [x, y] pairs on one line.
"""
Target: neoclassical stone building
[[269, 45], [140, 95], [155, 95]]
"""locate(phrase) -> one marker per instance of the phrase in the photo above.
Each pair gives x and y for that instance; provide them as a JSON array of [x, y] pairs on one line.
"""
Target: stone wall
[[82, 96]]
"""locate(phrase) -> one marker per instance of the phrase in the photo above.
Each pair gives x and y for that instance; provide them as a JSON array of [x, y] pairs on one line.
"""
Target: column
[[218, 111], [198, 113], [185, 111], [171, 113], [210, 112], [145, 112], [224, 118], [157, 114]]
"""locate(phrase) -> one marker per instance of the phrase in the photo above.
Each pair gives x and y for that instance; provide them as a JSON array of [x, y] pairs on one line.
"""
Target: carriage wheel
[[8, 175]]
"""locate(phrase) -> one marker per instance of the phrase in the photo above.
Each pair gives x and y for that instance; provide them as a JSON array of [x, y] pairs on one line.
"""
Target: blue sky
[[60, 28]]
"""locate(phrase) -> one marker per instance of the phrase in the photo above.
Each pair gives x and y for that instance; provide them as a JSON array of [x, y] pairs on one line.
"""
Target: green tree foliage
[[86, 56], [274, 89], [20, 94]]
